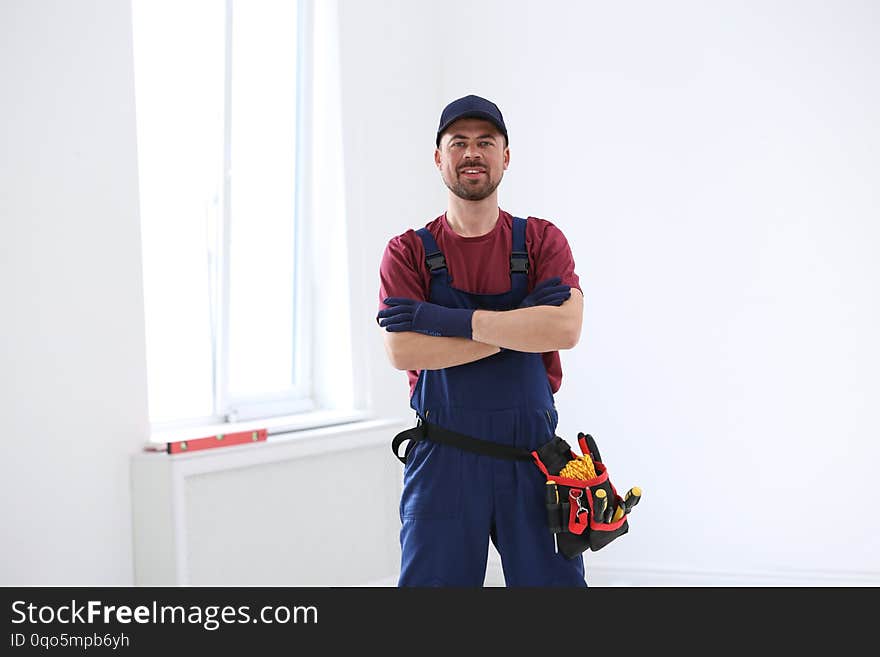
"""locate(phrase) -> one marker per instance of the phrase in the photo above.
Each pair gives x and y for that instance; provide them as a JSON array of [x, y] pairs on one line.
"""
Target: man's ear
[[437, 157], [506, 157]]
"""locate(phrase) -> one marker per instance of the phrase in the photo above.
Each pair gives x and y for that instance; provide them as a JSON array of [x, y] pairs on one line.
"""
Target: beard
[[469, 191]]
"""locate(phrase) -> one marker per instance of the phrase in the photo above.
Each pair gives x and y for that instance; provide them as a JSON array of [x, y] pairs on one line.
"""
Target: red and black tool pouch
[[571, 516]]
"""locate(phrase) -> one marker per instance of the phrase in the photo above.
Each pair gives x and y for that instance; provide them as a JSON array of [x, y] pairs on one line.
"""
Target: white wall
[[389, 69], [714, 166], [72, 350]]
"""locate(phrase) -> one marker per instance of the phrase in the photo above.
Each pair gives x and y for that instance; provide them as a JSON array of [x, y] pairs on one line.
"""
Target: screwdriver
[[609, 512], [633, 495], [552, 500], [600, 501]]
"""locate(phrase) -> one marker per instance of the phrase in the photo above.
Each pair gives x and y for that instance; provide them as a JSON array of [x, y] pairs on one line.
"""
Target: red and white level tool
[[211, 442]]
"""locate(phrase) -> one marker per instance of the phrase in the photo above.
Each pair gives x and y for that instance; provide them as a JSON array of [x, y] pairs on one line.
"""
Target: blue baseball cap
[[471, 107]]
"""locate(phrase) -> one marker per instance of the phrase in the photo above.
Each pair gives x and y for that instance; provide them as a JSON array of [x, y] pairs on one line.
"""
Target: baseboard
[[385, 582], [659, 576], [656, 576], [679, 577]]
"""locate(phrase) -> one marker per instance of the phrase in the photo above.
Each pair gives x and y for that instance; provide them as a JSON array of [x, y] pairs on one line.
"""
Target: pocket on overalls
[[431, 481]]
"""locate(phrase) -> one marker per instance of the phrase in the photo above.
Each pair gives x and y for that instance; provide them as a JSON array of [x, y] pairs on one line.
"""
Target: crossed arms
[[536, 329]]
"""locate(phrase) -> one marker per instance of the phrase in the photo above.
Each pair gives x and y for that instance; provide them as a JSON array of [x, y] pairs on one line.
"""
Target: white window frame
[[300, 398]]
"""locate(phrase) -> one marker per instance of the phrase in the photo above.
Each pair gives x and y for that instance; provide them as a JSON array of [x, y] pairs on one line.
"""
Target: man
[[476, 306]]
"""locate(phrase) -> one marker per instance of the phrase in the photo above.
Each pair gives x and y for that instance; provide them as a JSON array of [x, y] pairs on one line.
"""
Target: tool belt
[[572, 511]]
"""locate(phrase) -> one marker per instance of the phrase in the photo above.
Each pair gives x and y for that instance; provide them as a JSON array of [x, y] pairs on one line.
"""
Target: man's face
[[472, 157]]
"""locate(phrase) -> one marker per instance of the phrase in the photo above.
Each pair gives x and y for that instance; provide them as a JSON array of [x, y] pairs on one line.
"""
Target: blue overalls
[[453, 499]]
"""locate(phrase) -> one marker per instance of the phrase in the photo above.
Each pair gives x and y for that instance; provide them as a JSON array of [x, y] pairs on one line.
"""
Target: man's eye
[[485, 144], [457, 143]]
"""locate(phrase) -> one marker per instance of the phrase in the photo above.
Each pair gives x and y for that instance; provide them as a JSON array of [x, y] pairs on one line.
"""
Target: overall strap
[[434, 259]]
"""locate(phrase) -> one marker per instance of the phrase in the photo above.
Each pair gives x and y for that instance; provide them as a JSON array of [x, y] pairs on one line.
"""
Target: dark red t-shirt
[[480, 265]]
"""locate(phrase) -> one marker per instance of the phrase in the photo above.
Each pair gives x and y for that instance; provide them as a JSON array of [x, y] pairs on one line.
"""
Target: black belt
[[438, 434]]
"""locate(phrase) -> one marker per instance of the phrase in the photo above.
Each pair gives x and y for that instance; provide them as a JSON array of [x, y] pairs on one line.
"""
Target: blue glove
[[547, 293], [424, 317]]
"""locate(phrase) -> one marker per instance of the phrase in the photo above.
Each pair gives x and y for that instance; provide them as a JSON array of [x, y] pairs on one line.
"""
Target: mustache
[[472, 165]]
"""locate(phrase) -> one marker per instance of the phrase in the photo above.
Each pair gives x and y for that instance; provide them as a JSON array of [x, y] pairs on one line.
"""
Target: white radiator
[[312, 508]]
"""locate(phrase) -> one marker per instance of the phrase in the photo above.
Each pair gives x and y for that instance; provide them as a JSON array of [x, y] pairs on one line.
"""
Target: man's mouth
[[472, 172]]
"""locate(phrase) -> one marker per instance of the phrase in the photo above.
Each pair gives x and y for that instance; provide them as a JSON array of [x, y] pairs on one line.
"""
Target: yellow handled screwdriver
[[633, 495], [600, 501]]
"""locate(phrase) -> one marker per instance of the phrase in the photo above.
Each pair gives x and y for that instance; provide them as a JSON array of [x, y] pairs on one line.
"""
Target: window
[[220, 120]]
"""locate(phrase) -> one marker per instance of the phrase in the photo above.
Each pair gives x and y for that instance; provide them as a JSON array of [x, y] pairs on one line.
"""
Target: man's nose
[[471, 152]]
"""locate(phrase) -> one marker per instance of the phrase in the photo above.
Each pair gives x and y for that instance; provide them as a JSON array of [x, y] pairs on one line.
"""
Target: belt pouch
[[580, 528]]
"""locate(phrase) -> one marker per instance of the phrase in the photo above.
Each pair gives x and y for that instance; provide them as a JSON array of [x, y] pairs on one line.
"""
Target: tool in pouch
[[574, 516], [586, 494]]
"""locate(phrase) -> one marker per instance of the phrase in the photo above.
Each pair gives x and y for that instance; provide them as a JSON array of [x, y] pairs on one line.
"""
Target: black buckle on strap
[[435, 261], [519, 262]]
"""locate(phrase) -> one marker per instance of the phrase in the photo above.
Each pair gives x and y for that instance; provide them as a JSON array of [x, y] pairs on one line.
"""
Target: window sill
[[349, 432], [277, 427]]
